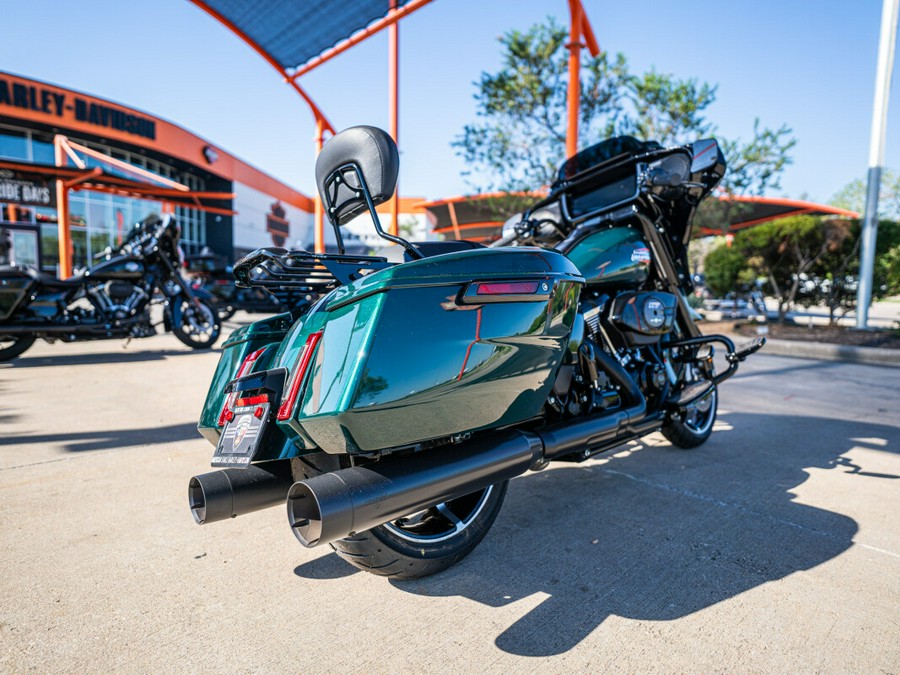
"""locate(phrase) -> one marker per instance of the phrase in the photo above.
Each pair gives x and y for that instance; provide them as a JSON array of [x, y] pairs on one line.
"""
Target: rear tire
[[420, 544], [12, 346]]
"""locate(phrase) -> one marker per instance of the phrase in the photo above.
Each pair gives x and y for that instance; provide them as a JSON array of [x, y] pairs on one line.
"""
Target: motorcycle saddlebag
[[15, 285], [431, 349]]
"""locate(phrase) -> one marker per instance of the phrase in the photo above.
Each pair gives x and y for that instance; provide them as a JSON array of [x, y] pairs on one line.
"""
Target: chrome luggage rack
[[296, 278]]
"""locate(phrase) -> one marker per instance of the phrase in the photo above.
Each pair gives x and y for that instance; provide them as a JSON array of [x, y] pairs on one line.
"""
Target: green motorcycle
[[390, 416]]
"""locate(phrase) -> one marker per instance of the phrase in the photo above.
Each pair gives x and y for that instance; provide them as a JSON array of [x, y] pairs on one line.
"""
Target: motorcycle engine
[[642, 318], [118, 299]]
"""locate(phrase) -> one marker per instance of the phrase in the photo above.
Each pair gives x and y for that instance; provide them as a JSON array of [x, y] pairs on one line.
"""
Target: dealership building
[[117, 165]]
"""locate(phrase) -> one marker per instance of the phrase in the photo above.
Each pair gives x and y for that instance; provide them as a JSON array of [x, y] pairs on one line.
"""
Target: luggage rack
[[293, 276]]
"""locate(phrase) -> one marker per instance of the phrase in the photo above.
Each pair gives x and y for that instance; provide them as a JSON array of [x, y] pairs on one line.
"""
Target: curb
[[822, 351], [825, 351]]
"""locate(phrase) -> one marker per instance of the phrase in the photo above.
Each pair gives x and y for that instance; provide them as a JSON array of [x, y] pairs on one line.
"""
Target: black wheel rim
[[443, 521], [699, 415], [198, 322]]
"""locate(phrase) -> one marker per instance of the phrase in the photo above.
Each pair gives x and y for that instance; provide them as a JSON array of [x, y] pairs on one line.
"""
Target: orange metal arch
[[579, 29], [322, 123]]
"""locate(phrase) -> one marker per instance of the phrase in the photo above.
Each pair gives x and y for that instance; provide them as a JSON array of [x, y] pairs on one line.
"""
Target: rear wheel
[[195, 322], [12, 346], [423, 543]]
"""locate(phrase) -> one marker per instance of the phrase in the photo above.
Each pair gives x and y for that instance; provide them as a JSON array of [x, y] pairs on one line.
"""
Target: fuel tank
[[614, 258], [430, 349], [124, 267]]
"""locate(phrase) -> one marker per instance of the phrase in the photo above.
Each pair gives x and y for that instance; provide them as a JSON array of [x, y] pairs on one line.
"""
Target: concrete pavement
[[774, 547]]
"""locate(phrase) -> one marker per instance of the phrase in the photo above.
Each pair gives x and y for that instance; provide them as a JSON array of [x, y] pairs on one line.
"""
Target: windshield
[[602, 152]]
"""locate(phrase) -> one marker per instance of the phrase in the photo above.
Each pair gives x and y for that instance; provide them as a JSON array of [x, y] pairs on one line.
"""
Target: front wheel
[[691, 425], [225, 312], [12, 346], [195, 322]]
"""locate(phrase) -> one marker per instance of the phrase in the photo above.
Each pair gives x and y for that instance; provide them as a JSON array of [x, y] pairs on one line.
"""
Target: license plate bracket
[[241, 437]]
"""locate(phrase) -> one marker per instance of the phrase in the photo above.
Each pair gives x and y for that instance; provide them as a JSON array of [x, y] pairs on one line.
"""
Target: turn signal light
[[227, 413], [296, 378]]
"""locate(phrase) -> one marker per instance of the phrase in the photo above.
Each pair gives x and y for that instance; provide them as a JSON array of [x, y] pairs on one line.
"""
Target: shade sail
[[293, 32], [729, 214]]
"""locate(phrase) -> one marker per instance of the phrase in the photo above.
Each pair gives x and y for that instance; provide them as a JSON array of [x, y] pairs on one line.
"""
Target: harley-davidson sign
[[26, 189], [59, 103]]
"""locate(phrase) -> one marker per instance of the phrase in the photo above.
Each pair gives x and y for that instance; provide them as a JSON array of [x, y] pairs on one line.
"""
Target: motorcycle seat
[[398, 254], [46, 280]]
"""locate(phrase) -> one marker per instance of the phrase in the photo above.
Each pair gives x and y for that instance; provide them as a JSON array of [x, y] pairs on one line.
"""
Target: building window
[[97, 219], [13, 144]]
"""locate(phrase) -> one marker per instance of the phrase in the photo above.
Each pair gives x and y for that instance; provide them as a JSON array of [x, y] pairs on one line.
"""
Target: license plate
[[241, 436]]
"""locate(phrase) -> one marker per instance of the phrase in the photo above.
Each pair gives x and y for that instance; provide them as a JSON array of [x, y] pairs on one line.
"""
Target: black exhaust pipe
[[334, 505], [339, 504], [224, 494]]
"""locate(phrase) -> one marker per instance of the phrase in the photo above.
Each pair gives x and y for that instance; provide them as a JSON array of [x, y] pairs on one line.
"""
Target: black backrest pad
[[374, 152]]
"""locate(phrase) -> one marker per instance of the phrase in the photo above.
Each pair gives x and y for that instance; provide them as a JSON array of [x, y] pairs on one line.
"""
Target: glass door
[[24, 249]]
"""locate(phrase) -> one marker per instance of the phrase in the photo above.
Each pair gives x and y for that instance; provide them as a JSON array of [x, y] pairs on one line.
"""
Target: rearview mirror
[[705, 155]]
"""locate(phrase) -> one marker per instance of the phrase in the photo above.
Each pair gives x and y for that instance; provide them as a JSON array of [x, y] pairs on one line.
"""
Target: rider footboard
[[292, 276]]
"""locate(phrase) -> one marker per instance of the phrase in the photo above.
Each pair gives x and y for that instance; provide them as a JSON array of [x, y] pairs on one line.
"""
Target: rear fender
[[268, 332]]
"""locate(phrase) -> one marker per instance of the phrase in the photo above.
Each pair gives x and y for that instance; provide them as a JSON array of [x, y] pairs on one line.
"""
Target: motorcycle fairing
[[403, 360]]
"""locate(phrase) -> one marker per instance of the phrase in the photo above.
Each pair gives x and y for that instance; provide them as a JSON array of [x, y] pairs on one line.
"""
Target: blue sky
[[808, 64]]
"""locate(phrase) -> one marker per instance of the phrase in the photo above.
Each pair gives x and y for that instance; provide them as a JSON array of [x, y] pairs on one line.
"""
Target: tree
[[853, 196], [786, 252], [519, 139], [724, 267], [807, 260]]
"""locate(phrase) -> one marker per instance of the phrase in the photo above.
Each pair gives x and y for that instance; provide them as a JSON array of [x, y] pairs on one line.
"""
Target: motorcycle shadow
[[656, 533], [84, 441], [101, 358]]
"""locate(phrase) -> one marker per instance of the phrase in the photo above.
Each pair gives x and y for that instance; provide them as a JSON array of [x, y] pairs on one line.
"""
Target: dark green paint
[[608, 257], [399, 362]]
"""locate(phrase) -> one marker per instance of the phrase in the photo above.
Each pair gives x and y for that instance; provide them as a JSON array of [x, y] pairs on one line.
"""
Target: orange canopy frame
[[244, 18], [144, 185], [480, 217]]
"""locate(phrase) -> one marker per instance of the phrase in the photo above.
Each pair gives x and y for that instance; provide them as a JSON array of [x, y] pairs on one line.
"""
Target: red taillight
[[227, 413], [296, 378], [251, 400], [508, 288]]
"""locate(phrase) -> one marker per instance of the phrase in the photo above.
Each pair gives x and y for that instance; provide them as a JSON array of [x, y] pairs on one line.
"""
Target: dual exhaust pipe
[[340, 504]]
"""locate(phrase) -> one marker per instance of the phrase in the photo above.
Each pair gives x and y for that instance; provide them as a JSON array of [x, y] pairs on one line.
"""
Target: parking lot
[[773, 547]]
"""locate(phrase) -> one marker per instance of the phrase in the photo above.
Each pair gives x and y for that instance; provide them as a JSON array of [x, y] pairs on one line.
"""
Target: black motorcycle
[[112, 299], [213, 274]]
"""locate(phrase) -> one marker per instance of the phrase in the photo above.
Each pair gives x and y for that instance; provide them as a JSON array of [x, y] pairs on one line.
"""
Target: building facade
[[262, 212]]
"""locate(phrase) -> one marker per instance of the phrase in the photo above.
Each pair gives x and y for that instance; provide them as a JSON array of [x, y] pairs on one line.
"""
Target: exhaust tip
[[304, 515], [197, 500]]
